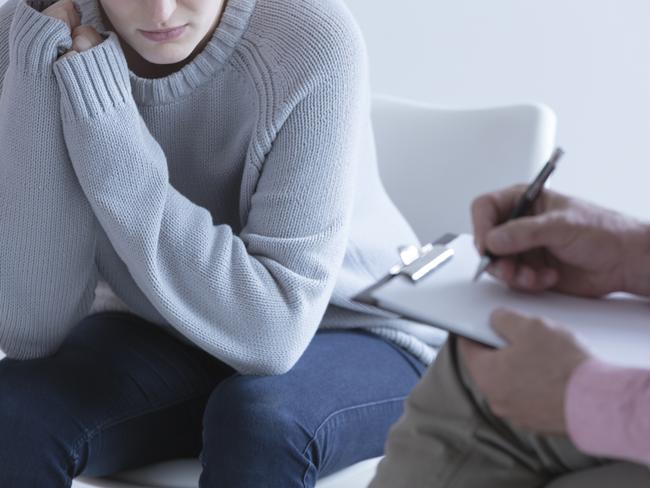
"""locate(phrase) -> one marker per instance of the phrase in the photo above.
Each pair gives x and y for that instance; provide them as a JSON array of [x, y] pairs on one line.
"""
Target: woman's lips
[[165, 35]]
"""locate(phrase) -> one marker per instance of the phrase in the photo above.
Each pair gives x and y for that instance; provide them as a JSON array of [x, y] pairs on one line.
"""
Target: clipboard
[[433, 285]]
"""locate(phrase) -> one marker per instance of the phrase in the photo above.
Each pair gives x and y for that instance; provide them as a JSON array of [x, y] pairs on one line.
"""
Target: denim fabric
[[121, 393]]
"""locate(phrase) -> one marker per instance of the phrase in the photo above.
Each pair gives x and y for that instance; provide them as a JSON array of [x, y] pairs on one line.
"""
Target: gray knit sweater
[[235, 202]]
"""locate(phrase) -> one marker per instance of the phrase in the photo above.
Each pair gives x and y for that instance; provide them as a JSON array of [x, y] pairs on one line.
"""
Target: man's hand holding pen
[[561, 244], [566, 245]]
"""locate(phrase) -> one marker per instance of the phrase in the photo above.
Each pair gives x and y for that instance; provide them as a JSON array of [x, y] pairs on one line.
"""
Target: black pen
[[525, 202]]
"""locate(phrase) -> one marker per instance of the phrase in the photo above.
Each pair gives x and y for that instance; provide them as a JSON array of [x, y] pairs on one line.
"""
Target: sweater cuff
[[35, 39], [602, 411], [94, 81]]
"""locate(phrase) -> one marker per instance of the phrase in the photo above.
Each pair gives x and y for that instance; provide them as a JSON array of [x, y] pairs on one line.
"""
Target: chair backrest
[[434, 162]]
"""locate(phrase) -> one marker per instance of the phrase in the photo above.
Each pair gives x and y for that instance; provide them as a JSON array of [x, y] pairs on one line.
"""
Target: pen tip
[[485, 262]]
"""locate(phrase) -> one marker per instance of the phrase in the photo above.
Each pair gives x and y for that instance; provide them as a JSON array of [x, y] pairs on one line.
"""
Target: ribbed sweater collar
[[203, 67]]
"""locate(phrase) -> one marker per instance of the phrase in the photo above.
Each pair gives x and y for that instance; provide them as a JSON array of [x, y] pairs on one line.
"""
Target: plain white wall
[[589, 60]]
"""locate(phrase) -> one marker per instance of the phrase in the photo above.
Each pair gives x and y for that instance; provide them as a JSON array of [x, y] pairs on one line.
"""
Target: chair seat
[[184, 473]]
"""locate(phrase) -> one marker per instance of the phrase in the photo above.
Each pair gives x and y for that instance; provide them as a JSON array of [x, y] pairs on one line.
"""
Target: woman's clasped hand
[[84, 37]]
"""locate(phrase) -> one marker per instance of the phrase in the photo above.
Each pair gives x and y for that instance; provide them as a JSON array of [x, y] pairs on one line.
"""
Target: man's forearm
[[607, 410]]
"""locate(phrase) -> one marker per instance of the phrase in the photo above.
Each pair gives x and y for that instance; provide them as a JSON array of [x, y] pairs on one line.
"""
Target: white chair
[[433, 162]]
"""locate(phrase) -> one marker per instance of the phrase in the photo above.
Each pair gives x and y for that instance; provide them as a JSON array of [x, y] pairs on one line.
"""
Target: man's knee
[[615, 474]]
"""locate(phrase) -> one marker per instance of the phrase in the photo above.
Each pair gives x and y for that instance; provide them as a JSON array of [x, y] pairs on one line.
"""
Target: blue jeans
[[122, 393]]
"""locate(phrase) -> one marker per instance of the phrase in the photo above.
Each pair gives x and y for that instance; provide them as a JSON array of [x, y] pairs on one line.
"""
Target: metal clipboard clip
[[416, 263]]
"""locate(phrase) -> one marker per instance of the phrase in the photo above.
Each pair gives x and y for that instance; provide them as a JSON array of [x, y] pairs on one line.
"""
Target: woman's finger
[[66, 11], [85, 37], [72, 52]]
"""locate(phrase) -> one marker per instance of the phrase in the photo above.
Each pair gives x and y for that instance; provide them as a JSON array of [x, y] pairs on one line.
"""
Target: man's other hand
[[525, 382]]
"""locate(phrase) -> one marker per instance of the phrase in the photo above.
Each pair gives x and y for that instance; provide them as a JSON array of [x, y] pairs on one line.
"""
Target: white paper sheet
[[616, 328]]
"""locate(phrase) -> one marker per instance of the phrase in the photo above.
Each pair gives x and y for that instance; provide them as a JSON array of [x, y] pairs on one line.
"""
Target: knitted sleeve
[[6, 15], [47, 243], [253, 300]]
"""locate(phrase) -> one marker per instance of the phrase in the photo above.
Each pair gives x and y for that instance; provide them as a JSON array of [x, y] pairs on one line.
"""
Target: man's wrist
[[637, 261]]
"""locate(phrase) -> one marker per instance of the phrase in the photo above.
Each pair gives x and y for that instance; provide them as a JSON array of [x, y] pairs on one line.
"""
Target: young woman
[[185, 218]]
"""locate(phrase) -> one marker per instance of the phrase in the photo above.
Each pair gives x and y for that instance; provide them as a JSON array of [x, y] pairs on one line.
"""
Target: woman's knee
[[253, 436], [33, 440], [251, 411]]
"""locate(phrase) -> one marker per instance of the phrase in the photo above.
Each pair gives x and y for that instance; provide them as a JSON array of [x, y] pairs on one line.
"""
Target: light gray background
[[587, 59]]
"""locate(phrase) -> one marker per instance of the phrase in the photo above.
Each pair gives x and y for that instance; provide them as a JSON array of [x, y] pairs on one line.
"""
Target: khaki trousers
[[448, 438]]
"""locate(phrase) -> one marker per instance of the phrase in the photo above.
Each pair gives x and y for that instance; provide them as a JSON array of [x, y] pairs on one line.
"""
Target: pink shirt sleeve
[[608, 411]]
